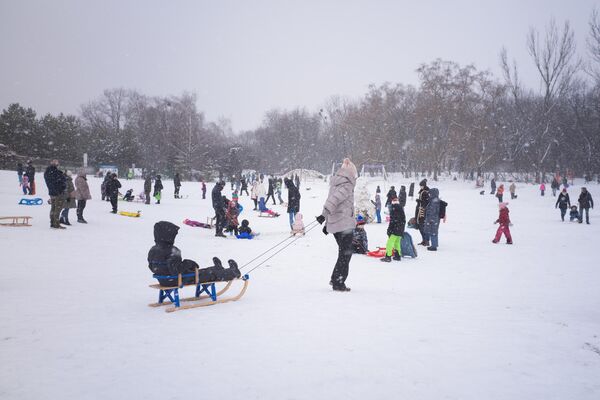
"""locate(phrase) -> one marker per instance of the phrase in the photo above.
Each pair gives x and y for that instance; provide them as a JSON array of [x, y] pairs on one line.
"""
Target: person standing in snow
[[69, 200], [56, 182], [436, 210], [30, 172], [338, 215], [278, 190], [493, 186], [271, 191], [203, 190], [219, 207], [254, 194], [395, 231], [293, 200], [563, 202], [177, 184], [147, 188], [512, 188], [504, 221], [500, 193], [585, 203], [244, 186], [402, 196], [158, 187], [83, 194], [297, 181], [542, 188], [112, 191], [554, 185], [390, 195], [377, 204], [422, 201]]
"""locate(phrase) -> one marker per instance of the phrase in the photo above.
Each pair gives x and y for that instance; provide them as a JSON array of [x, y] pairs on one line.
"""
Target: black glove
[[388, 232], [325, 230], [320, 219]]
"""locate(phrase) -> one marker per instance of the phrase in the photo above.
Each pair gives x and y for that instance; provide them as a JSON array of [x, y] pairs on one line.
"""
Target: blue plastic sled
[[31, 202], [407, 246]]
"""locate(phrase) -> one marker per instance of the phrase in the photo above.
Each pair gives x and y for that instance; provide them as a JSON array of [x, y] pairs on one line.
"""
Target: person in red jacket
[[504, 221]]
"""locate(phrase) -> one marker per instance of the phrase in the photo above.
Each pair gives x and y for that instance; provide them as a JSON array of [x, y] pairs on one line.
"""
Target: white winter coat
[[339, 206]]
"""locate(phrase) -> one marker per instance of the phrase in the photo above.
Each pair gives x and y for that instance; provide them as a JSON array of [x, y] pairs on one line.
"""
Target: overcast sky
[[243, 58]]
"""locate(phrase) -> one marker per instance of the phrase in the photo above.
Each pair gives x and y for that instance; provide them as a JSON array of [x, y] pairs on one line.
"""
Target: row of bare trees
[[457, 119]]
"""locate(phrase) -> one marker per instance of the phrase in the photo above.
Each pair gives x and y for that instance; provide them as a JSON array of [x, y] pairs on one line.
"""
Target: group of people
[[64, 194], [585, 202]]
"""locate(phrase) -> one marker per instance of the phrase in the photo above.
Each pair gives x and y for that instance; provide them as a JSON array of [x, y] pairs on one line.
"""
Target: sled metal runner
[[171, 293]]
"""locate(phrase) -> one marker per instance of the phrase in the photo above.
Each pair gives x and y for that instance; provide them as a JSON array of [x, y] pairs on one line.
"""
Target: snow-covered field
[[473, 321]]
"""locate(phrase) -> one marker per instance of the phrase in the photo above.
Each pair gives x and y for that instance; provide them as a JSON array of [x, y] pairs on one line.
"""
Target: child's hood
[[165, 232]]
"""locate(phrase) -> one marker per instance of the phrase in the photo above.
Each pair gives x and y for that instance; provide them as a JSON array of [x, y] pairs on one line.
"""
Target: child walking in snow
[[504, 221], [542, 188]]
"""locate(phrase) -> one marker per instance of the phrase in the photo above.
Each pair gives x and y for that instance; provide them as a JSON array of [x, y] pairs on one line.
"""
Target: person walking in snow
[[395, 231], [500, 193], [554, 185], [147, 188], [219, 207], [83, 194], [504, 221], [271, 191], [585, 203], [244, 186], [563, 202], [30, 172], [338, 215], [542, 188]]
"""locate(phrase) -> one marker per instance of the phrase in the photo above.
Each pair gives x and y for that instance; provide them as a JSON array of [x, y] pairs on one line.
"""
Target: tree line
[[457, 118]]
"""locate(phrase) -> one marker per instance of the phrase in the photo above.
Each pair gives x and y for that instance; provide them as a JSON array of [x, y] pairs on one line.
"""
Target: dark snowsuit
[[432, 217], [585, 203], [244, 187], [493, 186], [271, 191], [360, 242], [219, 207], [293, 200], [158, 187], [395, 231], [563, 202], [57, 184], [147, 188], [402, 196], [422, 201], [177, 184], [112, 192], [165, 259]]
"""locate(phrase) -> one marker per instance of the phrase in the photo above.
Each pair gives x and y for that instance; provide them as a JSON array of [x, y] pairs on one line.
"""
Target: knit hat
[[423, 182], [234, 196], [360, 220], [378, 190], [503, 205]]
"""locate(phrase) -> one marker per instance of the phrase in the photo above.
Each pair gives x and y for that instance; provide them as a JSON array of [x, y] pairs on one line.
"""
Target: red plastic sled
[[380, 252]]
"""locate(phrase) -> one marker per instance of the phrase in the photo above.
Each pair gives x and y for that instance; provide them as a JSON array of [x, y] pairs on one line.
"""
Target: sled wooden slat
[[15, 221]]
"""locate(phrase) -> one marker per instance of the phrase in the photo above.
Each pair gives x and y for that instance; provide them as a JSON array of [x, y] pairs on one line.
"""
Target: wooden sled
[[131, 214], [172, 293], [15, 221]]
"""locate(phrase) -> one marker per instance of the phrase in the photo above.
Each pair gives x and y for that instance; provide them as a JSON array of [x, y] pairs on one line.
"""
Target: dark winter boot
[[386, 259], [397, 257], [81, 220], [430, 248], [341, 288], [234, 267]]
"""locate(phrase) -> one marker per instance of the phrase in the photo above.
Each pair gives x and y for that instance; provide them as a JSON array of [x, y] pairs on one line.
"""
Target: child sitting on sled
[[128, 195], [360, 242], [573, 214], [263, 209], [246, 231], [298, 226], [165, 259]]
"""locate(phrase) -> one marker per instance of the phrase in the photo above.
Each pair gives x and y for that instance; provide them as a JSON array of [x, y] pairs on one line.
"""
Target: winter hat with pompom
[[503, 205]]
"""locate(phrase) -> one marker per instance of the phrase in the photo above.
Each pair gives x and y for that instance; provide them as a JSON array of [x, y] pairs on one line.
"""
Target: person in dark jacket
[[395, 231], [360, 241], [57, 184], [112, 191], [69, 199], [30, 172], [158, 187], [103, 186], [585, 203], [219, 207], [435, 210], [147, 188], [563, 202], [165, 259], [493, 186], [422, 201], [271, 191], [244, 186], [297, 181], [293, 200], [177, 183], [390, 195], [203, 190], [402, 196]]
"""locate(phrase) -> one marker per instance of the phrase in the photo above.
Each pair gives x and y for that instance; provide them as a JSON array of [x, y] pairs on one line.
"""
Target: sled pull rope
[[283, 248], [271, 248]]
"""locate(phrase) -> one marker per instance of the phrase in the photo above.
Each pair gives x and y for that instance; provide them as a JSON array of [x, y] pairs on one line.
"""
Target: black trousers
[[220, 224], [114, 202], [342, 265], [270, 195], [244, 190], [147, 194], [177, 191], [80, 208]]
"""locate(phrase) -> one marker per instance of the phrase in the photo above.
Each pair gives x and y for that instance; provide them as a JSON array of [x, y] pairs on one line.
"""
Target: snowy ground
[[473, 321]]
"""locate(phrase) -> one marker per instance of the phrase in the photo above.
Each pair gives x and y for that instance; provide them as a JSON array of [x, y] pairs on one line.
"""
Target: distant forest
[[457, 119]]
